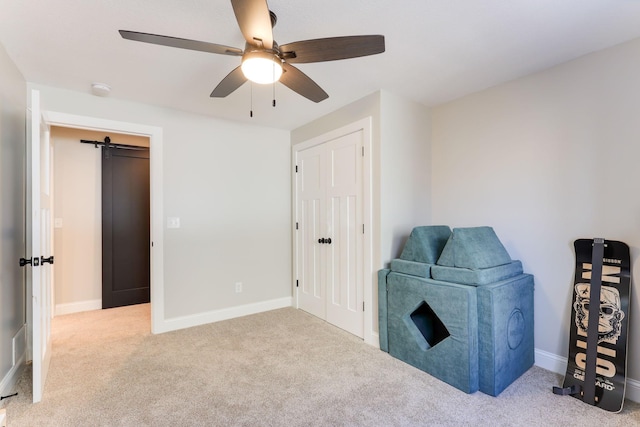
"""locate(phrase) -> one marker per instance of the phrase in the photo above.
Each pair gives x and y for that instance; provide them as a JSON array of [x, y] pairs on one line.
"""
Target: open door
[[39, 281]]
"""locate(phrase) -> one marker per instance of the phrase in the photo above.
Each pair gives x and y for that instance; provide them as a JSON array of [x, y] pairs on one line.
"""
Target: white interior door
[[329, 257], [344, 227], [311, 201], [40, 279]]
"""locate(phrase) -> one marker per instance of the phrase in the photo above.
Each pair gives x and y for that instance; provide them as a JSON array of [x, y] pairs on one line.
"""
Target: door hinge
[[296, 225], [362, 151], [362, 305], [362, 228], [297, 284], [296, 168]]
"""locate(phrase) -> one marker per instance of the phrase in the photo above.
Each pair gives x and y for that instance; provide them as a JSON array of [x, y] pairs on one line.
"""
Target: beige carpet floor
[[280, 368]]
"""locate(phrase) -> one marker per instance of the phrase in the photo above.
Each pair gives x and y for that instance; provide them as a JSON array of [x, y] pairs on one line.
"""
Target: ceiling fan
[[263, 60]]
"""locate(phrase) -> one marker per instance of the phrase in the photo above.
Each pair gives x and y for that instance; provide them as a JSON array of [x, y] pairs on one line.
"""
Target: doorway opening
[[89, 194], [155, 138]]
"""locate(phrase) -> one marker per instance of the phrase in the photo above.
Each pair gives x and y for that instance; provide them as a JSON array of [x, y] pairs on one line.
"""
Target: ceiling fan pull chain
[[251, 109], [274, 85]]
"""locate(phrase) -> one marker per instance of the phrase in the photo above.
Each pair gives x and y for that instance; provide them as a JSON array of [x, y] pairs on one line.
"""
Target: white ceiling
[[436, 50]]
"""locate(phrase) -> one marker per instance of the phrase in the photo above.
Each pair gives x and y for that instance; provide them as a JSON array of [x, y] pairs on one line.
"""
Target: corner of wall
[[405, 170]]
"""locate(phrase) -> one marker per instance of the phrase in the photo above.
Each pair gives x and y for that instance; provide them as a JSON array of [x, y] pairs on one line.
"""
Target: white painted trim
[[3, 418], [9, 380], [155, 136], [632, 391], [370, 336], [19, 340], [558, 364], [223, 314], [364, 125], [551, 362], [77, 307], [375, 340]]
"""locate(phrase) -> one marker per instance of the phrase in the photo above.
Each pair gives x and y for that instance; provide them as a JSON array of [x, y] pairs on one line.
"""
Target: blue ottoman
[[465, 316]]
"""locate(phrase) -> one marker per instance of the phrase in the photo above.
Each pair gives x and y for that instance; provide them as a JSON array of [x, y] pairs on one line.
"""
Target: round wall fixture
[[100, 89]]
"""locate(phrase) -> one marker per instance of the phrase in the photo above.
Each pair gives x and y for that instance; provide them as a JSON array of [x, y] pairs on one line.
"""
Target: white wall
[[13, 107], [78, 206], [229, 184], [405, 175], [545, 160]]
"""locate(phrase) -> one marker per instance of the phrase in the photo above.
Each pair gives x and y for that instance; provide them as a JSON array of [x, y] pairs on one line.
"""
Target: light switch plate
[[173, 222]]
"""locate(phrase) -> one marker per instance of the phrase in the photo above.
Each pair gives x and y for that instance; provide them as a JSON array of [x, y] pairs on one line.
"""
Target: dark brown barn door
[[125, 227]]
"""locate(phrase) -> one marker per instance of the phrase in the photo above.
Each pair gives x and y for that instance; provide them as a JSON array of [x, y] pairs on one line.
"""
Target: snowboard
[[596, 369]]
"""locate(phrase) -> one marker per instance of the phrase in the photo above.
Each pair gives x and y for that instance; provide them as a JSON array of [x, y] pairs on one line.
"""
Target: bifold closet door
[[330, 245], [311, 195]]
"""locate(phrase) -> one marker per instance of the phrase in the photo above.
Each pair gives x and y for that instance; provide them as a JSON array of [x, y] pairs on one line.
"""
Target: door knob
[[321, 240], [44, 260], [328, 240], [35, 261]]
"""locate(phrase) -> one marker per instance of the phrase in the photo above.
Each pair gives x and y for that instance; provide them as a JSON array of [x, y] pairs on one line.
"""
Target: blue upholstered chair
[[456, 306]]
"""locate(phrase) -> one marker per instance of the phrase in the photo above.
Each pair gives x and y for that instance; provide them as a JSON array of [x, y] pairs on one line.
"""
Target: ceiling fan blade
[[180, 43], [299, 82], [332, 48], [254, 20], [233, 81]]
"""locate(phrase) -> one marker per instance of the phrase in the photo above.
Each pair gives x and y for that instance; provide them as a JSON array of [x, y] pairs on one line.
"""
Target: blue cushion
[[478, 277], [473, 248], [411, 267], [505, 332], [425, 243], [382, 309], [454, 359]]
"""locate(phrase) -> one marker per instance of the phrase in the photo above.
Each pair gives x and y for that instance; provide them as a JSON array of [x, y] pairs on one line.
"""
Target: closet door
[[311, 206], [344, 228], [329, 236]]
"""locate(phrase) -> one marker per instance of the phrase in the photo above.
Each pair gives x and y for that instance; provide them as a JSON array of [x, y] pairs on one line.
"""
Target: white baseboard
[[551, 362], [374, 339], [558, 364], [223, 314], [3, 418], [632, 391], [77, 307], [9, 380]]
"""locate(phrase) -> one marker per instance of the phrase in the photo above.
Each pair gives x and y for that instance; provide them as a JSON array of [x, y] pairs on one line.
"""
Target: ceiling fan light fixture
[[262, 67]]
